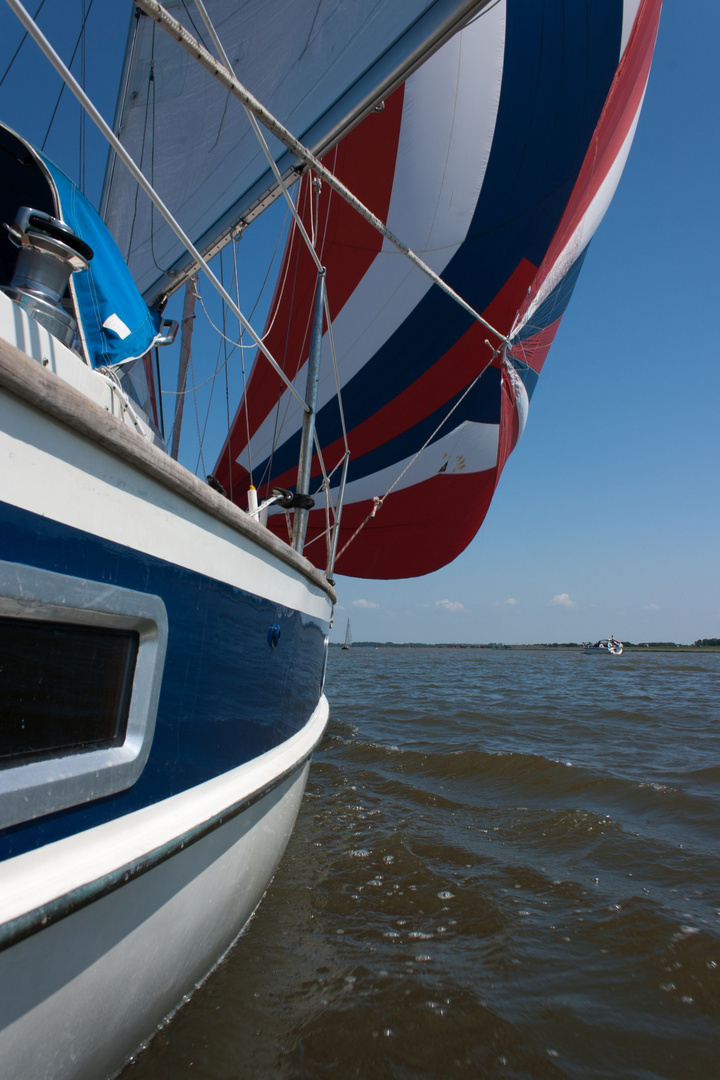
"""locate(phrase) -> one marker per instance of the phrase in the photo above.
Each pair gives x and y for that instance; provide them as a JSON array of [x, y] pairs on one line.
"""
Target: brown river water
[[505, 866]]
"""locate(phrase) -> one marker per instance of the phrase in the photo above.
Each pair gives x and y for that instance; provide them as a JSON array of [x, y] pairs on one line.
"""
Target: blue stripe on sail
[[226, 695], [526, 373], [554, 305], [554, 88], [481, 406], [553, 91]]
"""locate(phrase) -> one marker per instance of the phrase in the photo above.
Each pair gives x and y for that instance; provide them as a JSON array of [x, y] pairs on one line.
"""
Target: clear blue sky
[[607, 517], [611, 501]]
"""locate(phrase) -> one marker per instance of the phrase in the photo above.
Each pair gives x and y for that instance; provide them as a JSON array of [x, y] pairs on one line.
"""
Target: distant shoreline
[[493, 647]]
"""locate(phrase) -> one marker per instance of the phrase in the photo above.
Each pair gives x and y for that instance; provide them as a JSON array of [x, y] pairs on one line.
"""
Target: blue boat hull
[[131, 864]]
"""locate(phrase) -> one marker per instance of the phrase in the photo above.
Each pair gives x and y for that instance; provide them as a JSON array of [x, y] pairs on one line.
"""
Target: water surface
[[506, 865]]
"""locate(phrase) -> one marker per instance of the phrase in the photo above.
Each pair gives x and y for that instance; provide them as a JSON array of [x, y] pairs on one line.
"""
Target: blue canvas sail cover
[[117, 324]]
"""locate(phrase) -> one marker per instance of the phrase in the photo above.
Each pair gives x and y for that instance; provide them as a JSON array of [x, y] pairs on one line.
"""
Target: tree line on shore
[[701, 643]]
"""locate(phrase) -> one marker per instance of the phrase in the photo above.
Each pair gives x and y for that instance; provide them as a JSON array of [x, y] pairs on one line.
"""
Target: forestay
[[495, 162]]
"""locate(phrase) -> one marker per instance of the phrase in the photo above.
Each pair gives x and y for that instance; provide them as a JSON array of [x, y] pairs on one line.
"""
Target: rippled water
[[506, 865]]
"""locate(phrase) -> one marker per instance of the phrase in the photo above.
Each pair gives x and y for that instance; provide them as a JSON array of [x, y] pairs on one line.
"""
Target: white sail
[[317, 67]]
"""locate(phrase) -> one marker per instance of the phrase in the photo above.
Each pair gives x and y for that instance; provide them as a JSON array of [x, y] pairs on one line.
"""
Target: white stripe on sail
[[469, 448], [438, 177], [630, 10]]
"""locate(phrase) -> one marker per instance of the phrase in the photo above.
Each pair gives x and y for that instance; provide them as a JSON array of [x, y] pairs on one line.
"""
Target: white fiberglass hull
[[81, 994], [129, 864]]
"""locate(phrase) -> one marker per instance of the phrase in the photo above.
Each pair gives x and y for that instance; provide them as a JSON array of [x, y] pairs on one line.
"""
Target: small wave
[[708, 775], [472, 777]]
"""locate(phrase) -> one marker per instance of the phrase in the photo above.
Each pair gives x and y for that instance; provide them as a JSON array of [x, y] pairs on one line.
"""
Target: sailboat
[[164, 637], [348, 636]]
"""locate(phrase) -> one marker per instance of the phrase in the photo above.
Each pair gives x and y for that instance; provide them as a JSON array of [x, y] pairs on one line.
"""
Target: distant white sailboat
[[348, 636]]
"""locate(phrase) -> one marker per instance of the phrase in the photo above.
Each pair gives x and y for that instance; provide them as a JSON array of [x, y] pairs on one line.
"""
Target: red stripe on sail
[[347, 258], [613, 127], [448, 377], [407, 538]]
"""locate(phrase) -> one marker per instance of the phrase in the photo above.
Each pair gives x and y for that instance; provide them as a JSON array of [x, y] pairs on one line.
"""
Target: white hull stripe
[[52, 472], [75, 872]]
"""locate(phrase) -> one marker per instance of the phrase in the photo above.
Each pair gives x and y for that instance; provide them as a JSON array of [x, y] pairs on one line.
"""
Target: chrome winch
[[49, 252]]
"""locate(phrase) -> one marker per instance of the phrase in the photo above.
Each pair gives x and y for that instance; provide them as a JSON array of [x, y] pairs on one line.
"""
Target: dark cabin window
[[63, 688]]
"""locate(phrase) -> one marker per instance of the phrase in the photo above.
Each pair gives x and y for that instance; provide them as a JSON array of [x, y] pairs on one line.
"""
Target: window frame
[[65, 779]]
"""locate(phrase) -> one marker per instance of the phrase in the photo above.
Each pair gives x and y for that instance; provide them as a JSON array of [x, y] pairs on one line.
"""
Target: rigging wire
[[324, 485], [197, 415], [80, 37], [242, 369], [310, 190], [225, 341], [14, 56], [83, 73], [305, 191], [233, 341], [267, 473], [151, 76], [199, 4], [222, 348], [141, 179], [313, 188], [234, 245], [225, 76], [187, 326], [152, 89], [379, 501]]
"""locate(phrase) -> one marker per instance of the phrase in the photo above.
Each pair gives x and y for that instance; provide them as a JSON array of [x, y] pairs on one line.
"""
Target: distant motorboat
[[605, 646]]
